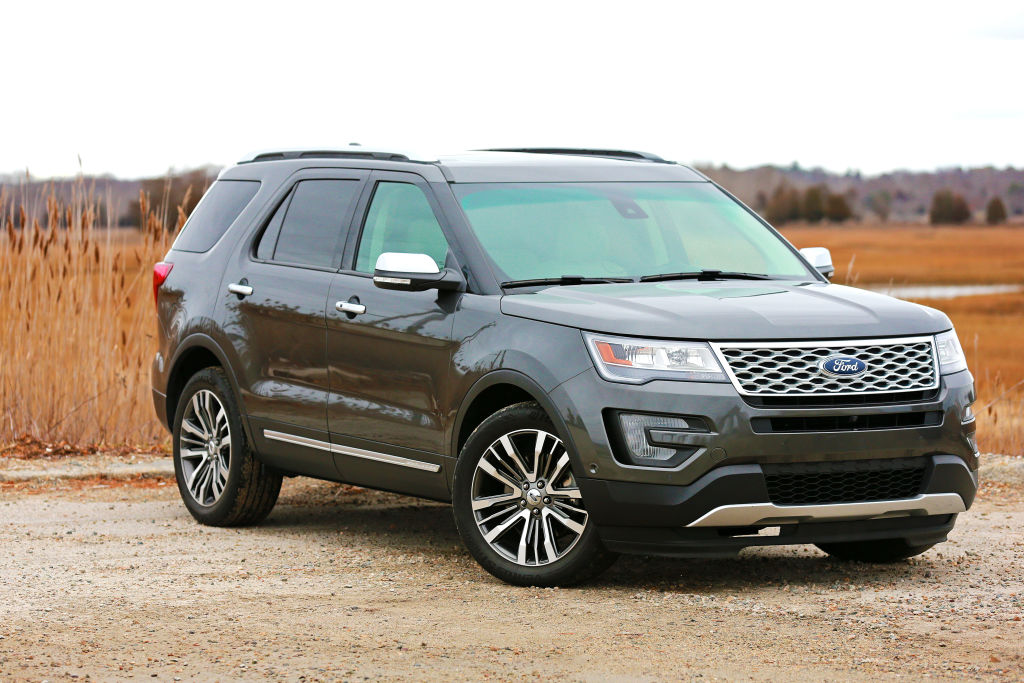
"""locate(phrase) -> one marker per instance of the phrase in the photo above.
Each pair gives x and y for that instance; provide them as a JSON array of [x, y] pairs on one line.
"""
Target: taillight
[[160, 272]]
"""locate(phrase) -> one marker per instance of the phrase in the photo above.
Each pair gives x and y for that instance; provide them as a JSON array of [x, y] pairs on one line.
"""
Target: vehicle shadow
[[777, 567], [403, 524]]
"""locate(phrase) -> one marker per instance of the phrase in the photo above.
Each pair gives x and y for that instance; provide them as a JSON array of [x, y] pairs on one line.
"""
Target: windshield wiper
[[564, 280], [706, 275]]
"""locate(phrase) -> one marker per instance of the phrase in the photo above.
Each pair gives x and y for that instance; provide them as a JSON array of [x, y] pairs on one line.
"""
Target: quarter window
[[400, 220], [219, 208], [308, 226]]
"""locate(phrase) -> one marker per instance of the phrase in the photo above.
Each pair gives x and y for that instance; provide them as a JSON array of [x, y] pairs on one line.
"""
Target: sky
[[135, 89]]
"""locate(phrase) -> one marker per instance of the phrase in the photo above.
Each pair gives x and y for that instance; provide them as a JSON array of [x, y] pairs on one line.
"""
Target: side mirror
[[413, 273], [820, 258]]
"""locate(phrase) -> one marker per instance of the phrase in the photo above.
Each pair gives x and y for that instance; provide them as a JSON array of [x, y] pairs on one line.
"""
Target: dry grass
[[76, 322], [990, 329], [901, 254]]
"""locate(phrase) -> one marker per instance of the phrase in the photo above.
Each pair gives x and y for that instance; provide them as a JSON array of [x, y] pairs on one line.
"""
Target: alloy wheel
[[204, 445], [525, 499]]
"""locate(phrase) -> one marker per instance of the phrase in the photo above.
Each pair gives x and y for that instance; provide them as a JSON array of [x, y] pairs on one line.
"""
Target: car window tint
[[313, 222], [400, 220], [265, 249], [215, 213], [539, 230]]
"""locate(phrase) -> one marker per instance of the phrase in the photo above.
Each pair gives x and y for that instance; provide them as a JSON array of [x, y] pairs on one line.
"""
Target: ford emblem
[[842, 366]]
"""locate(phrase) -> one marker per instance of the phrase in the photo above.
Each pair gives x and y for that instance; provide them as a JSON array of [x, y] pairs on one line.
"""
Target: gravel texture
[[108, 579]]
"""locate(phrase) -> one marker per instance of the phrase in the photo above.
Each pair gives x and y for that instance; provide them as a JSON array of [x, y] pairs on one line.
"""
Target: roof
[[491, 166]]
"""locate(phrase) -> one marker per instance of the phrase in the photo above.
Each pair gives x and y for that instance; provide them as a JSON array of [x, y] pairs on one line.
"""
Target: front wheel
[[517, 504], [885, 550]]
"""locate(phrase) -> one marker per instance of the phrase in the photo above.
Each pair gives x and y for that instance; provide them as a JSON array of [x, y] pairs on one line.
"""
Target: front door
[[276, 317], [389, 357]]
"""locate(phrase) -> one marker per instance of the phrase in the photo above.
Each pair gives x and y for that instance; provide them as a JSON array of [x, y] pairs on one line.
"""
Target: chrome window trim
[[716, 348], [350, 450], [770, 514]]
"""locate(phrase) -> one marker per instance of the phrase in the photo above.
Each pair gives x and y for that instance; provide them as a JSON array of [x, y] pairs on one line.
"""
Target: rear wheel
[[885, 550], [518, 506], [219, 478]]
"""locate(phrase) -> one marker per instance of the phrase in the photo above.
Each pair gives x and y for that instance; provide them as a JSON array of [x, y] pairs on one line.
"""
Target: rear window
[[218, 209], [312, 228]]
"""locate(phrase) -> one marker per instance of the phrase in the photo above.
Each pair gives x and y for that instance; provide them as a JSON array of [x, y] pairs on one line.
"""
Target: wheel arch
[[500, 389], [196, 352]]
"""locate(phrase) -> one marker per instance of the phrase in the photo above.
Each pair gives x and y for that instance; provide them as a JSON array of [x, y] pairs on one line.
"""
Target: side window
[[212, 217], [311, 223], [268, 241], [400, 219]]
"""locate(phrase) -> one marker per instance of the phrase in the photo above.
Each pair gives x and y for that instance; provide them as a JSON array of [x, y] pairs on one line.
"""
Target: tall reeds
[[76, 319]]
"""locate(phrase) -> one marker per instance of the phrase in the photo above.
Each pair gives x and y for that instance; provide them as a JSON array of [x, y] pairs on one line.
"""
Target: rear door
[[389, 366], [275, 315]]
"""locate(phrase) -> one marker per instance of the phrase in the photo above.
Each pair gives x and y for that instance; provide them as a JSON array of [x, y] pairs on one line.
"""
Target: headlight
[[951, 355], [640, 360]]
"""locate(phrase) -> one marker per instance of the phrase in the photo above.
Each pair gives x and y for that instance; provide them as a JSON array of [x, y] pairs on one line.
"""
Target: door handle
[[350, 307], [240, 289]]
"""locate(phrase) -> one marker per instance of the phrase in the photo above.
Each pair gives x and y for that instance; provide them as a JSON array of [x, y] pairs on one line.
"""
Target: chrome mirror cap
[[396, 262], [414, 273], [820, 259]]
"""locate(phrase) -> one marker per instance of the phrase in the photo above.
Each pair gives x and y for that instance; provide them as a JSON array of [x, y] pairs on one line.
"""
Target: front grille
[[846, 423], [788, 369], [844, 482]]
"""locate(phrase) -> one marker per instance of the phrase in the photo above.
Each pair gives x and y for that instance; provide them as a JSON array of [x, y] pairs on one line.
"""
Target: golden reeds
[[76, 321]]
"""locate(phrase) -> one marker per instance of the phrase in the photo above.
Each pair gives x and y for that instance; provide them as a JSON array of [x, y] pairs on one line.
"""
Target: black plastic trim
[[712, 542]]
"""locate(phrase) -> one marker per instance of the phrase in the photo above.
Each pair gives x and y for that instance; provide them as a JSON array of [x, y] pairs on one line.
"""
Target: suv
[[587, 352]]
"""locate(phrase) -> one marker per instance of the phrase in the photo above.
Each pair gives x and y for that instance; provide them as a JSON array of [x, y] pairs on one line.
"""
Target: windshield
[[603, 230]]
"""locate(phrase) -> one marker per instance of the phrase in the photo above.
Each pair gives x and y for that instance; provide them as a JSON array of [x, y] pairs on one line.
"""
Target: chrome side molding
[[753, 514], [350, 450]]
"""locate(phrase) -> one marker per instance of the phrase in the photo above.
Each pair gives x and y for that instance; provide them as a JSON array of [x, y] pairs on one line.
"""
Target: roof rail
[[351, 153], [584, 152]]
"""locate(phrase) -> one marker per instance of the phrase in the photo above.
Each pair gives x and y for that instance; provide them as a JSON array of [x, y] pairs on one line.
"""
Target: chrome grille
[[791, 369]]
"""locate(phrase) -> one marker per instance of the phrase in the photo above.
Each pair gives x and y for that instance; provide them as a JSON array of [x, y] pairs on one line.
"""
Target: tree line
[[814, 204], [817, 203]]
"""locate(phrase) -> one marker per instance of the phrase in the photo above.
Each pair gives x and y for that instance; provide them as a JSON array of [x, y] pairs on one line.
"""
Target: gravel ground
[[109, 579]]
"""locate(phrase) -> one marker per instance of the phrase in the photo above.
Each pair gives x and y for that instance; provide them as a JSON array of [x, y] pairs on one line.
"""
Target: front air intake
[[844, 482]]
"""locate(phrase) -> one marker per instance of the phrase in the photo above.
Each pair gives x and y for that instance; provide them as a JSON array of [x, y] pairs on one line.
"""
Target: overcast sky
[[137, 88]]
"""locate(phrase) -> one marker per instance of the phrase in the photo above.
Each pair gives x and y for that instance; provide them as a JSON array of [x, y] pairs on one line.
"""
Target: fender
[[205, 341], [527, 384]]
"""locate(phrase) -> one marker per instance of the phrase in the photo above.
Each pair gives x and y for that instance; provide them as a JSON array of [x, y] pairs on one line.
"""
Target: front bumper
[[712, 500], [722, 512]]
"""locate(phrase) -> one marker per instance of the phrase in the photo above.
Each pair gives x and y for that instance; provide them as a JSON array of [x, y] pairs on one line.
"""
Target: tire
[[540, 536], [885, 550], [229, 485]]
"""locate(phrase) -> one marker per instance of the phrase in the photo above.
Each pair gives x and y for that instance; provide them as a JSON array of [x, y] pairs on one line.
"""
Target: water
[[943, 291]]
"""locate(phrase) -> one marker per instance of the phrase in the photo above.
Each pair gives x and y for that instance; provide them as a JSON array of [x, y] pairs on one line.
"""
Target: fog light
[[636, 430], [968, 414]]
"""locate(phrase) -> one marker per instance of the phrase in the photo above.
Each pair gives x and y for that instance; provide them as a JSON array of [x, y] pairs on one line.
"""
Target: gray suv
[[587, 352]]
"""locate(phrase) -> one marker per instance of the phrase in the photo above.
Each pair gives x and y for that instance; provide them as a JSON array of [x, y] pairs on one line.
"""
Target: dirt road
[[117, 581]]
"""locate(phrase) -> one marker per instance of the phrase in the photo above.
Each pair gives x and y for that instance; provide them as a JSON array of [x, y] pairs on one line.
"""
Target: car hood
[[727, 310]]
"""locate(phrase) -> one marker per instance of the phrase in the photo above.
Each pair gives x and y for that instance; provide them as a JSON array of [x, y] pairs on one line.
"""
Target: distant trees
[[837, 209], [995, 211], [948, 207], [880, 204], [784, 205], [813, 205]]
